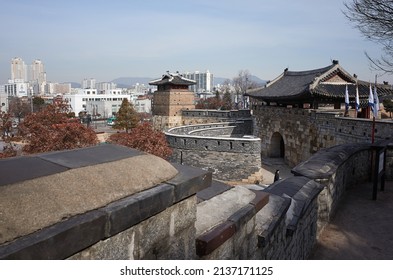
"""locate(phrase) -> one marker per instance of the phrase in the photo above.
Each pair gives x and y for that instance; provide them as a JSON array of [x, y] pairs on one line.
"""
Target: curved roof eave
[[336, 69]]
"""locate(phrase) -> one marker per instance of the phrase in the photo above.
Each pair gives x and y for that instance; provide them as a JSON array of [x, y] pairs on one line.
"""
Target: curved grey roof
[[172, 79], [326, 83], [290, 84]]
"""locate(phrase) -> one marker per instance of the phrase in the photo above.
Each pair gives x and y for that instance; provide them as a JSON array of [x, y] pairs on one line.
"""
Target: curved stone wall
[[228, 149]]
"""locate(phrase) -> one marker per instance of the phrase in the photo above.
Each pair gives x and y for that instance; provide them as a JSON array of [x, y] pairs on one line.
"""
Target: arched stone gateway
[[277, 146]]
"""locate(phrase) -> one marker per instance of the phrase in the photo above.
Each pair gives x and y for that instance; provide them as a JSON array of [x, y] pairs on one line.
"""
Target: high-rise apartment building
[[104, 86], [37, 72], [88, 83], [56, 88], [18, 69], [204, 81]]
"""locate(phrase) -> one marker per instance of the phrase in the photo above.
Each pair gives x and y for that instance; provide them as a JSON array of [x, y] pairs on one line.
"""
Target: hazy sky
[[110, 39]]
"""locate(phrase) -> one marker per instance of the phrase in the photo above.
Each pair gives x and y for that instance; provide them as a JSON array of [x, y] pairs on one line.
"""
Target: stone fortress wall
[[227, 149], [305, 131], [199, 116], [292, 133]]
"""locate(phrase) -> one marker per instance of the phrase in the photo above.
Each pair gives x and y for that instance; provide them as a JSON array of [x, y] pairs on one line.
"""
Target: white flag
[[357, 102], [346, 98], [376, 102]]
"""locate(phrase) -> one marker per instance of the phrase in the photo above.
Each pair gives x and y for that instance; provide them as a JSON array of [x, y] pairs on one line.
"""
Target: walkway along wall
[[199, 116], [298, 209]]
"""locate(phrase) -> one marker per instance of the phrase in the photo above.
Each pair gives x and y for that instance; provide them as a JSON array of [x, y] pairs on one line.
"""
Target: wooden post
[[373, 131], [375, 164]]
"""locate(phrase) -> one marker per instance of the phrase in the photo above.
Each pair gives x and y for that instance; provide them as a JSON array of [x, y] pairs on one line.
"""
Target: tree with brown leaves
[[143, 137], [19, 107], [51, 129], [5, 124], [9, 149]]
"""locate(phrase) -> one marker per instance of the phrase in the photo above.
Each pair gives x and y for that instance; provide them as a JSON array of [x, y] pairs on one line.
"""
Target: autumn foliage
[[5, 129], [51, 129], [143, 137]]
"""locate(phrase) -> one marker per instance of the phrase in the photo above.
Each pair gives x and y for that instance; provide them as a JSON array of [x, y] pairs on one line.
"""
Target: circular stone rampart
[[226, 149]]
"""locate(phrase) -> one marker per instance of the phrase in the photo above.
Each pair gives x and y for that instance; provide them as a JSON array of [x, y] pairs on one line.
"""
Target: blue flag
[[371, 100]]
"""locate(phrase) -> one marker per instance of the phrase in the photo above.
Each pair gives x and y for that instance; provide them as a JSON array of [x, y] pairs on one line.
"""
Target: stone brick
[[154, 200], [58, 241], [127, 212], [242, 216], [260, 200], [189, 181], [211, 240]]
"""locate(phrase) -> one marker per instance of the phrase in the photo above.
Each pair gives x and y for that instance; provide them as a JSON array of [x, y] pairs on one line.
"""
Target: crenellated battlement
[[228, 149]]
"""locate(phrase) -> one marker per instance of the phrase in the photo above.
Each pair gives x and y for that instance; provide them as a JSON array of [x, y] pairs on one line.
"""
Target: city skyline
[[107, 40]]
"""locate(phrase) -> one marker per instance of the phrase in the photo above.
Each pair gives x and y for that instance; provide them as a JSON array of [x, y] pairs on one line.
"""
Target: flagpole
[[356, 106], [372, 132], [346, 114]]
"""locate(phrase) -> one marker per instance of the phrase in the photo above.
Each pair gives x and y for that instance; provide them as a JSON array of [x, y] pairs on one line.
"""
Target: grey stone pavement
[[362, 228]]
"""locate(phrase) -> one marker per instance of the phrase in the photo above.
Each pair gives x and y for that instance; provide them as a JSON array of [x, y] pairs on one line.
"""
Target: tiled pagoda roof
[[324, 84], [172, 79]]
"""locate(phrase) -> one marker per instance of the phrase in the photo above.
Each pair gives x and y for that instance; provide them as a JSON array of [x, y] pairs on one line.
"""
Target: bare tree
[[374, 19], [241, 83], [19, 108]]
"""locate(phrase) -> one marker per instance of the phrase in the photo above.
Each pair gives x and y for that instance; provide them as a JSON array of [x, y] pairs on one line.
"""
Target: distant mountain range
[[74, 84], [125, 82]]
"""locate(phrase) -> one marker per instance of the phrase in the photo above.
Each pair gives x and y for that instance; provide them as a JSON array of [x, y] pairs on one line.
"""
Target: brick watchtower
[[172, 96]]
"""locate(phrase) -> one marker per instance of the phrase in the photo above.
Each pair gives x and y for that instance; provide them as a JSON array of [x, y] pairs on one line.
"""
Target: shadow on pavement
[[362, 228]]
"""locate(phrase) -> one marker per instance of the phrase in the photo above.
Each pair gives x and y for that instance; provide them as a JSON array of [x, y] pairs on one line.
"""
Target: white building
[[3, 100], [17, 88], [142, 104], [204, 81], [116, 91], [139, 89], [93, 103]]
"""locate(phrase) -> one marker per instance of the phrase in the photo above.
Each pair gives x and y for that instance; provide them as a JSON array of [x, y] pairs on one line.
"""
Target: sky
[[106, 40]]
